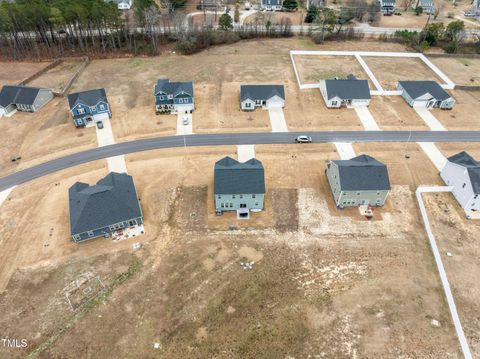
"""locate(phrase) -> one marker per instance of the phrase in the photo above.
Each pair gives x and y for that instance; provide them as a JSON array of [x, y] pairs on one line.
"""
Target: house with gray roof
[[23, 98], [462, 172], [387, 6], [349, 92], [239, 186], [361, 180], [265, 96], [89, 107], [174, 97], [108, 209], [271, 5], [426, 94]]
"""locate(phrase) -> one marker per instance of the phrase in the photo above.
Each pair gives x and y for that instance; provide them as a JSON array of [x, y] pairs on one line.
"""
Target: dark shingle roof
[[350, 89], [472, 166], [362, 173], [112, 200], [88, 98], [261, 92], [233, 177], [415, 89], [18, 94], [173, 88]]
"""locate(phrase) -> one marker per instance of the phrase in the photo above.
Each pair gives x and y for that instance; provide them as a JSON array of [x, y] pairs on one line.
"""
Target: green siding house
[[359, 181], [239, 186]]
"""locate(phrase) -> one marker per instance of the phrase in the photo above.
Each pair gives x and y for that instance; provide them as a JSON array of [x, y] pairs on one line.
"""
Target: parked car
[[99, 125], [185, 120], [303, 139]]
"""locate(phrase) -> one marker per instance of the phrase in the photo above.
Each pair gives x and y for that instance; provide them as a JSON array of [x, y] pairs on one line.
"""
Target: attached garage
[[265, 96], [101, 116], [349, 92], [425, 94]]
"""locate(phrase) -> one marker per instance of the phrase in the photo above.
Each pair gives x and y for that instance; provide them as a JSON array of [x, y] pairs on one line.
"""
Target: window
[[76, 237], [219, 197], [102, 107], [132, 222], [463, 186], [241, 196], [334, 103], [223, 205], [90, 233], [81, 111], [231, 205], [162, 97], [475, 197], [180, 100], [254, 196], [170, 97], [358, 193], [233, 196], [248, 105]]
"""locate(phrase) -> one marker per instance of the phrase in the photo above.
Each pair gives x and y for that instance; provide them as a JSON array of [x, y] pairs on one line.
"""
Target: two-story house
[[361, 180], [174, 97], [89, 107], [462, 172], [239, 186], [108, 209]]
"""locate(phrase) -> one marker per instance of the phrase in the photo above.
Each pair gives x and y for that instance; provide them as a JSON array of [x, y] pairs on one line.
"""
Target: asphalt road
[[231, 139]]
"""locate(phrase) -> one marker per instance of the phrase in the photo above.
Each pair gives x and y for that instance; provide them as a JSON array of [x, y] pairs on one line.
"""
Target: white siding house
[[463, 173], [425, 94], [349, 92], [264, 96], [272, 5]]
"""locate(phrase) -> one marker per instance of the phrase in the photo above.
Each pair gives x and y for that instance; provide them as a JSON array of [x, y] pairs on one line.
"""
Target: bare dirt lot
[[319, 282], [390, 70], [393, 113], [462, 71], [314, 68], [12, 73], [464, 113], [57, 77]]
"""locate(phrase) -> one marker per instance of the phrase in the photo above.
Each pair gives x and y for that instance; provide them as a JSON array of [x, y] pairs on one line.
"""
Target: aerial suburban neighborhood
[[252, 179]]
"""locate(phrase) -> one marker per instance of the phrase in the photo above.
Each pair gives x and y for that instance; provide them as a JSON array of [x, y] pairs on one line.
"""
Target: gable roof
[[272, 2], [416, 89], [24, 95], [349, 89], [387, 2], [112, 200], [173, 88], [88, 98], [261, 92], [473, 167], [362, 173], [233, 177]]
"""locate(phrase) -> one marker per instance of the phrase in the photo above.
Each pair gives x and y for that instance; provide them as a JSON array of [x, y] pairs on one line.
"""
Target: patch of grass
[[87, 308]]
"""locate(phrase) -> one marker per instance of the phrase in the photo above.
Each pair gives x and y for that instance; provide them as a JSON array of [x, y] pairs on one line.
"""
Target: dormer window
[[81, 111], [102, 107], [170, 97]]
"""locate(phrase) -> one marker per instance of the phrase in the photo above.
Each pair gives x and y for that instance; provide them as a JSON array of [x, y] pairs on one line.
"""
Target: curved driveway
[[231, 139]]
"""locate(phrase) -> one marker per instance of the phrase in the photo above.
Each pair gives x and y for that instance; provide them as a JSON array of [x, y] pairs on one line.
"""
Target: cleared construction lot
[[326, 283]]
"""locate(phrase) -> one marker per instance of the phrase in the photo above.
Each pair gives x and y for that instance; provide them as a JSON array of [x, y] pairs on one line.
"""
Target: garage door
[[420, 103], [101, 117], [272, 104]]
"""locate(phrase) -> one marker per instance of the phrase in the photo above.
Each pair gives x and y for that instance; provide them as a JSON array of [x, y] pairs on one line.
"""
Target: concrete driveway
[[105, 138], [184, 129], [345, 150], [277, 120], [430, 120], [366, 118]]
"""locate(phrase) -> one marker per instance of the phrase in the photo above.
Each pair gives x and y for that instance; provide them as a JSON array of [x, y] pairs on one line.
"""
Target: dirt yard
[[390, 70], [11, 73], [462, 71], [319, 284], [57, 77], [464, 114], [312, 69], [393, 113], [276, 17]]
